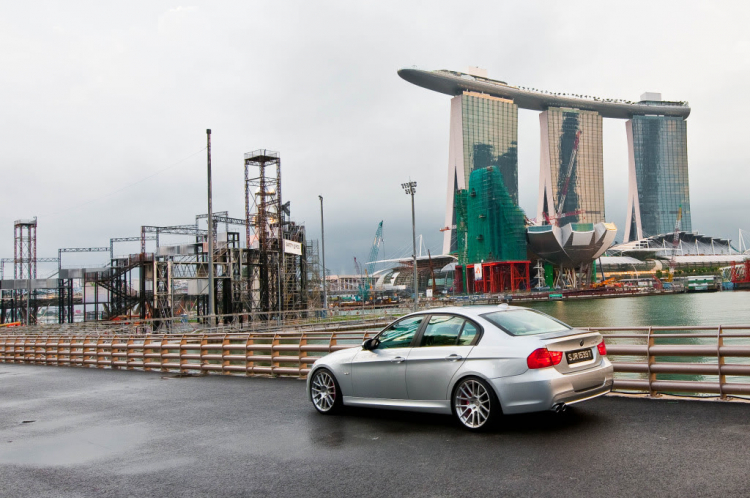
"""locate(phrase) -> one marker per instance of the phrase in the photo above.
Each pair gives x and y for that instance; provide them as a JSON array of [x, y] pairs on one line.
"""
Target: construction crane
[[675, 243], [362, 279], [568, 174], [375, 248]]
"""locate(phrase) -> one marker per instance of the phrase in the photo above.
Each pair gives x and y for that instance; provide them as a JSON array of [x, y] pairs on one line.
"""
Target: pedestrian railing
[[245, 354], [654, 360], [682, 359]]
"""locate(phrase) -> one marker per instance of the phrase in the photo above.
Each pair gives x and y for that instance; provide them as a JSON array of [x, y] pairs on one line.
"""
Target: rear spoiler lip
[[567, 335]]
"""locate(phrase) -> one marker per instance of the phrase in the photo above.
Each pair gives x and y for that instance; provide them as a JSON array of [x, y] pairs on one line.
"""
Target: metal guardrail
[[681, 359], [229, 323], [247, 354], [655, 360]]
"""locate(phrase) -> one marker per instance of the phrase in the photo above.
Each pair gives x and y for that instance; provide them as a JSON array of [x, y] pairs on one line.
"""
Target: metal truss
[[175, 230], [123, 239], [77, 249]]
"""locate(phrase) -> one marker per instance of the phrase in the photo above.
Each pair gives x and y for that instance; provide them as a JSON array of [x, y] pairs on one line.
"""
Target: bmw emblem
[[581, 342]]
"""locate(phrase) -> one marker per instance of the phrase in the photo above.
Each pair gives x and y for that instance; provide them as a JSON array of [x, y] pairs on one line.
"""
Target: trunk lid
[[574, 341]]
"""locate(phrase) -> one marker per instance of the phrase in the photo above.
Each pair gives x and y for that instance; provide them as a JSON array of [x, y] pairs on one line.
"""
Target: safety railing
[[681, 359], [287, 354], [654, 360]]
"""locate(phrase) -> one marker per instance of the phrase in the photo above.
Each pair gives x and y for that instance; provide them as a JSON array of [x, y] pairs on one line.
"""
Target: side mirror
[[370, 344]]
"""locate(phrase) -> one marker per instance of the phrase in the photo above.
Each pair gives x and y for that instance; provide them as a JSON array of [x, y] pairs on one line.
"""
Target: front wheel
[[325, 392], [475, 404]]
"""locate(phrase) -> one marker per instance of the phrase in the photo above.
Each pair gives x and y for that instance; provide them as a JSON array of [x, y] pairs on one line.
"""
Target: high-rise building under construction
[[483, 133], [571, 173]]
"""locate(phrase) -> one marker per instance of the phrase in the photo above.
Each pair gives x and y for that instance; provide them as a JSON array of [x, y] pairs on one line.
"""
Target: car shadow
[[527, 423]]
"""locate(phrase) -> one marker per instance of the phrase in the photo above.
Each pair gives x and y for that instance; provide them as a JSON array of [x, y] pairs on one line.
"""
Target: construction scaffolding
[[269, 274], [496, 229]]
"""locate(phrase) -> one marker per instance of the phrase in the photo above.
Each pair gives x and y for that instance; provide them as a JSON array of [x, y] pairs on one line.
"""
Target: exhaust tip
[[559, 407]]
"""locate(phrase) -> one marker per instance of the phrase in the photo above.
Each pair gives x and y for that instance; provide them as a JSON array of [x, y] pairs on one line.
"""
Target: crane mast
[[568, 174]]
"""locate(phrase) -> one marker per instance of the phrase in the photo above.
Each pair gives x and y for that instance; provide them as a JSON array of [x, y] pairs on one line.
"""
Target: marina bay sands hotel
[[484, 132]]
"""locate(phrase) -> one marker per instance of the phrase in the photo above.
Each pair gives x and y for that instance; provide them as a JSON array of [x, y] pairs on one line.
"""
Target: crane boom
[[568, 174], [375, 248]]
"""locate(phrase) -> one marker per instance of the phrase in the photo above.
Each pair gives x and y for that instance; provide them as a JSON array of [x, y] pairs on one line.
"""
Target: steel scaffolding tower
[[263, 208], [24, 249]]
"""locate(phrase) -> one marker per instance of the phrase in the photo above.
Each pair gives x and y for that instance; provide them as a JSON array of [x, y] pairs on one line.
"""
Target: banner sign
[[478, 271], [291, 247]]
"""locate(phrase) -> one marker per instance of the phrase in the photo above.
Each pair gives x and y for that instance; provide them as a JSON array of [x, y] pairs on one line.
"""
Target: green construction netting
[[495, 228]]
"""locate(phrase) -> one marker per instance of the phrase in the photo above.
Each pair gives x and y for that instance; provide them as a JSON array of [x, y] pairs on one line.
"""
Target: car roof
[[472, 311]]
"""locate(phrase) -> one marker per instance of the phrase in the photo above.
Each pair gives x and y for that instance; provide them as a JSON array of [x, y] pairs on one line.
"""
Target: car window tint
[[442, 330], [400, 334], [468, 334], [525, 322]]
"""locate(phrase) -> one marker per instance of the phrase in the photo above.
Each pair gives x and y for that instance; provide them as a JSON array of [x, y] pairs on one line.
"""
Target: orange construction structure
[[493, 277]]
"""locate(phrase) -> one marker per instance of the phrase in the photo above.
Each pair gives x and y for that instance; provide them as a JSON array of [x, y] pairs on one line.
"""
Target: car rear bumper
[[541, 390]]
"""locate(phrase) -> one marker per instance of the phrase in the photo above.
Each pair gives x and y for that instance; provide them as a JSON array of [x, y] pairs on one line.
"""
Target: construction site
[[261, 266]]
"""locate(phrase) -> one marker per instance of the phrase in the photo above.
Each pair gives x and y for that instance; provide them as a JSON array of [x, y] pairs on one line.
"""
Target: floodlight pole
[[211, 304], [323, 240], [410, 188]]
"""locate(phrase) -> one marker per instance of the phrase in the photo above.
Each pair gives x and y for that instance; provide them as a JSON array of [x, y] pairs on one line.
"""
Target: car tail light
[[542, 358], [602, 348]]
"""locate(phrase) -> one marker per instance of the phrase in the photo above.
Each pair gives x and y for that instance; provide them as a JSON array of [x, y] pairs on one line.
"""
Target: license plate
[[579, 355]]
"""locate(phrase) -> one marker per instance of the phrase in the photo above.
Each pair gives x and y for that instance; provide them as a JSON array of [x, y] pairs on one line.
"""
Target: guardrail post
[[164, 341], [183, 349], [650, 360], [720, 360], [224, 353], [249, 363], [300, 364], [275, 353], [203, 361]]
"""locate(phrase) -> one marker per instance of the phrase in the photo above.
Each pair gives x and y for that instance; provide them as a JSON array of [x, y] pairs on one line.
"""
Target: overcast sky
[[105, 106]]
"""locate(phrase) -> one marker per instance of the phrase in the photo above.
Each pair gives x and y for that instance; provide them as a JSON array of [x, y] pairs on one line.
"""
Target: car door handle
[[397, 359], [453, 357]]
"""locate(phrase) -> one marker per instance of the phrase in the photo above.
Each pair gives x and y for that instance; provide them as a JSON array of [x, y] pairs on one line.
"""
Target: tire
[[325, 392], [475, 404]]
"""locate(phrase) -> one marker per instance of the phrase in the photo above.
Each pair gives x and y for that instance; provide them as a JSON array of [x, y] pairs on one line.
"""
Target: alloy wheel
[[323, 390], [472, 404]]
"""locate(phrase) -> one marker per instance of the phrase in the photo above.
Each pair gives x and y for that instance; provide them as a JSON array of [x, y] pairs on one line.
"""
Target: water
[[701, 308]]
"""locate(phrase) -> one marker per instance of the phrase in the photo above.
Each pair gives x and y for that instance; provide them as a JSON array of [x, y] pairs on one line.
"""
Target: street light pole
[[323, 240], [410, 188], [211, 304]]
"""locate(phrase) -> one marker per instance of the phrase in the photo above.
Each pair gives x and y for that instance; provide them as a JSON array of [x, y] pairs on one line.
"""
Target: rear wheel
[[325, 392], [475, 404]]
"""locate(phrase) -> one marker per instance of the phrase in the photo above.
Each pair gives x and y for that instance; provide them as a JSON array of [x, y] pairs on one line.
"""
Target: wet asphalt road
[[112, 433]]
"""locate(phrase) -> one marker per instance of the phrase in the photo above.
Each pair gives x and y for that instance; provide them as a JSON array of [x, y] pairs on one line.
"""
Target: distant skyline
[[100, 96]]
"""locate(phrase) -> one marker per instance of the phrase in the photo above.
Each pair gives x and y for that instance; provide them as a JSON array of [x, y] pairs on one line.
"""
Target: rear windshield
[[525, 322]]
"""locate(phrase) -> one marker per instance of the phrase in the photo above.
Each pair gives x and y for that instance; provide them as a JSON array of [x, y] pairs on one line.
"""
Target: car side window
[[442, 330], [400, 334], [468, 334]]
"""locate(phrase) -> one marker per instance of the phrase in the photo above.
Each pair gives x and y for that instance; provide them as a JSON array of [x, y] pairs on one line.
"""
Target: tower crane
[[568, 173], [675, 242], [375, 248]]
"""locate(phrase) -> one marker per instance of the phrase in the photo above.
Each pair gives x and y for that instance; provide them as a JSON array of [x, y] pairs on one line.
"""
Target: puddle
[[72, 448]]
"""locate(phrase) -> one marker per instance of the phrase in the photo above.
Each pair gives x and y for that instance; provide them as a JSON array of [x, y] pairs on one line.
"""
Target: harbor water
[[700, 308]]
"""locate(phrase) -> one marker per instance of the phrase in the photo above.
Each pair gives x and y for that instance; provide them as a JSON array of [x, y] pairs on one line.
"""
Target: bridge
[[102, 432]]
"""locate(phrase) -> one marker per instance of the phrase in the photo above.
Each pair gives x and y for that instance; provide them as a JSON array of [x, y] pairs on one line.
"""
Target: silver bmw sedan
[[475, 362]]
